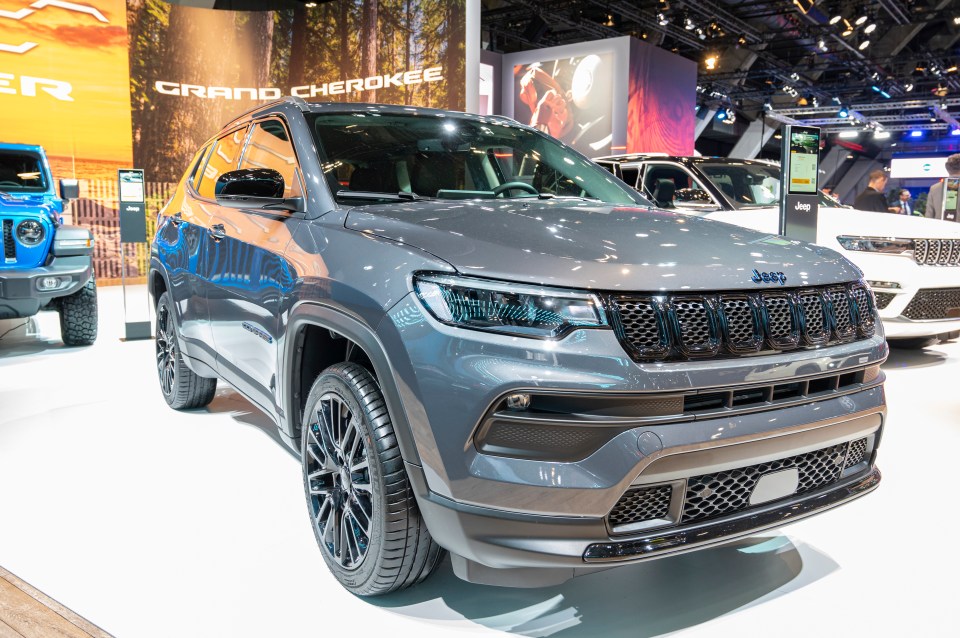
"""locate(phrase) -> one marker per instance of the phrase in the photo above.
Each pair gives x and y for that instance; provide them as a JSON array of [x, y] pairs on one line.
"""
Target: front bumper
[[525, 514], [20, 295], [911, 277]]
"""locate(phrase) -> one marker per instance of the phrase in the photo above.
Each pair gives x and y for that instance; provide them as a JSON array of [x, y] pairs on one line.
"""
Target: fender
[[311, 313]]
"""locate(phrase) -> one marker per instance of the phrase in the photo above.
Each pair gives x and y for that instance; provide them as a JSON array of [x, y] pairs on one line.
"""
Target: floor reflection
[[649, 599], [914, 358], [20, 337]]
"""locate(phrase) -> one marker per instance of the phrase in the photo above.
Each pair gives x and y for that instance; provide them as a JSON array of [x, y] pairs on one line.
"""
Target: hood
[[581, 244], [28, 205], [847, 221]]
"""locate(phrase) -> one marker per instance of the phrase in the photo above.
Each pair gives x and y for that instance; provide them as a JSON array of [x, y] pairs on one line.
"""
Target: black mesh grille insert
[[857, 453], [9, 248], [677, 326], [937, 252], [726, 492], [883, 299], [641, 504], [934, 303]]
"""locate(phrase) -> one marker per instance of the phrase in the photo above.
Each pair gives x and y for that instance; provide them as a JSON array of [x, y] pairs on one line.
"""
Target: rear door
[[250, 276]]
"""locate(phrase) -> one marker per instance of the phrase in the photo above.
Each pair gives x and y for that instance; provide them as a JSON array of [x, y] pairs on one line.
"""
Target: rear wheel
[[913, 343], [182, 388], [362, 509], [78, 316]]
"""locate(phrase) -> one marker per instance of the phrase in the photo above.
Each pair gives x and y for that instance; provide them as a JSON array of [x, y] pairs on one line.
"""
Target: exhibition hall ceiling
[[890, 62]]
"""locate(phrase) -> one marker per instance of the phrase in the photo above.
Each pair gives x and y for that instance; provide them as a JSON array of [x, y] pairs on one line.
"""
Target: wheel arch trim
[[340, 321]]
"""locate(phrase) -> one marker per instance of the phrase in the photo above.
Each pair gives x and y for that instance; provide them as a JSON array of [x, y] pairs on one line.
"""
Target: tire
[[912, 343], [78, 316], [346, 427], [181, 387]]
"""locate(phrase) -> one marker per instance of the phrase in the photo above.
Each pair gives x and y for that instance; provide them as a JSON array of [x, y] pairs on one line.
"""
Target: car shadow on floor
[[918, 358], [649, 599], [229, 401], [22, 337]]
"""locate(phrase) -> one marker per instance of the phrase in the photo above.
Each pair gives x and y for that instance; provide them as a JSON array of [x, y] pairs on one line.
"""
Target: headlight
[[30, 232], [887, 245], [517, 309]]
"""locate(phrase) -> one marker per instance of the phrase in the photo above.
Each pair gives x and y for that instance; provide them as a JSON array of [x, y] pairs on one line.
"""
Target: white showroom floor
[[150, 522]]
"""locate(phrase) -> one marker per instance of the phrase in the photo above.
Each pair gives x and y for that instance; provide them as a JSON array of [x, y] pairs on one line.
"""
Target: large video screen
[[568, 98]]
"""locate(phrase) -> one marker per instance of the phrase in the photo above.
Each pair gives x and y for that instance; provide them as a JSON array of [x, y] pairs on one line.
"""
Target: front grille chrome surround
[[688, 326]]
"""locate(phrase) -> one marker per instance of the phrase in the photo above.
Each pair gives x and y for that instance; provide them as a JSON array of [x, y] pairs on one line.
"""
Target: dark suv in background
[[480, 341]]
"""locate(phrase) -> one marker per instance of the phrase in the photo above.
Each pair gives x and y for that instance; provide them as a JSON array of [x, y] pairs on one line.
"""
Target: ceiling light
[[955, 131], [688, 24], [861, 20], [870, 28], [952, 69], [662, 20], [310, 5], [956, 20], [721, 114], [837, 18], [821, 44], [844, 112], [908, 87], [847, 28], [916, 134], [711, 61], [742, 40], [941, 90], [864, 45], [847, 135], [881, 135]]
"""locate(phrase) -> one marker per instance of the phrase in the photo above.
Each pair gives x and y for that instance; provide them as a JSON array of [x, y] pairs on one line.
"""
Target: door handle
[[218, 232]]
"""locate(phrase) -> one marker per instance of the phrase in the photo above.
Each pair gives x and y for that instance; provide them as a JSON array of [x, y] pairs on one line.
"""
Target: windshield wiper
[[399, 196]]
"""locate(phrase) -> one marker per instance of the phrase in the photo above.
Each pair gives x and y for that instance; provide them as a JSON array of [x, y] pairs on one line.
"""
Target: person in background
[[903, 206], [872, 197], [828, 190], [935, 196]]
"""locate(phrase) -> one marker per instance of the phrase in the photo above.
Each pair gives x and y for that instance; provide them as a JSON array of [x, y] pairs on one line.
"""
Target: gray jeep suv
[[480, 341]]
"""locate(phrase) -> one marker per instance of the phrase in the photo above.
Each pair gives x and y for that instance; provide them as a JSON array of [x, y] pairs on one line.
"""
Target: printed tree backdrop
[[334, 41]]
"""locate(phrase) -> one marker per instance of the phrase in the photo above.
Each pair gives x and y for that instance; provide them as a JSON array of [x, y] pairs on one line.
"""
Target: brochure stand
[[133, 231], [799, 196]]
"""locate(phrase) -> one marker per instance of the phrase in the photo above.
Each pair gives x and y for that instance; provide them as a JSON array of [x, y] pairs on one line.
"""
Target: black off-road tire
[[399, 551], [913, 343], [78, 316], [181, 387]]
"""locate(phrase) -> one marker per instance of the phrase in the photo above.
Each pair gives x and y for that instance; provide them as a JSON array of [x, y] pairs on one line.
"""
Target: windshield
[[454, 158], [745, 185], [21, 173]]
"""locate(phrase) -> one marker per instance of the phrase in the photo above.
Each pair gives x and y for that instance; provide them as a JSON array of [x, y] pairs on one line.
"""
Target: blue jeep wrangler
[[45, 264]]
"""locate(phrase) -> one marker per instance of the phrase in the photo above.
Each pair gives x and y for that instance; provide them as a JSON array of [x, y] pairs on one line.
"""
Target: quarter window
[[270, 147], [226, 152]]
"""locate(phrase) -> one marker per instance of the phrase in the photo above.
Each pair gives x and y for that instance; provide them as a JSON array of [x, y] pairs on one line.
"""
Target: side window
[[226, 152], [199, 161], [629, 174], [270, 147]]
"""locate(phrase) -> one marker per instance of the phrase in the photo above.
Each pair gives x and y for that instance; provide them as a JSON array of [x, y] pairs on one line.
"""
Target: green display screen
[[950, 189], [804, 158]]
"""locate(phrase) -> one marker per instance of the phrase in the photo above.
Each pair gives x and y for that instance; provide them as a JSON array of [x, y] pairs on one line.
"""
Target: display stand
[[133, 231], [800, 170], [950, 203]]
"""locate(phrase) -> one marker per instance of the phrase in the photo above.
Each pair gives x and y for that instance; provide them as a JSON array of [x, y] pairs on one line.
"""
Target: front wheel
[[78, 316], [362, 509]]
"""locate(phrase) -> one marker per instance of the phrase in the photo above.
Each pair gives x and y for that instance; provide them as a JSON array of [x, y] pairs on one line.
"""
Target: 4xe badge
[[768, 277]]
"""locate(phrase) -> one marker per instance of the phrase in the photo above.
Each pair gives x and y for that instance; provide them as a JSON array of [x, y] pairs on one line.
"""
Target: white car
[[912, 263]]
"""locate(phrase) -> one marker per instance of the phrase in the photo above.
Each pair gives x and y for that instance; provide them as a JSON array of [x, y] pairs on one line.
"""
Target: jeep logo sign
[[805, 208], [768, 277]]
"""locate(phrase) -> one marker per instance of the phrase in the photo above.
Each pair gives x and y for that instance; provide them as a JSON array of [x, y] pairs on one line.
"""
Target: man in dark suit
[[903, 206], [872, 198]]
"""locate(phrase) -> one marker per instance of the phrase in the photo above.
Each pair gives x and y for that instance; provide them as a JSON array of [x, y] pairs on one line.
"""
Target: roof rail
[[299, 102]]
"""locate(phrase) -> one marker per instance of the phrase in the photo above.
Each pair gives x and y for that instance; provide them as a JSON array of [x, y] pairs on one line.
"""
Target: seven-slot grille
[[672, 326], [728, 492], [9, 248], [937, 252]]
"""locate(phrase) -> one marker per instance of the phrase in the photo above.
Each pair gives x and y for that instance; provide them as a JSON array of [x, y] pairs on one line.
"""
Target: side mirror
[[254, 188], [69, 189]]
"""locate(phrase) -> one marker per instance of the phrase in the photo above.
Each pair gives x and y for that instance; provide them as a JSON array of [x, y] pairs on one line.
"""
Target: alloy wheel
[[339, 482]]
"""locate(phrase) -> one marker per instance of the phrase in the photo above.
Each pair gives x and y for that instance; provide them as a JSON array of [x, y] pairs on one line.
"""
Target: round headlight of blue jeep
[[30, 232]]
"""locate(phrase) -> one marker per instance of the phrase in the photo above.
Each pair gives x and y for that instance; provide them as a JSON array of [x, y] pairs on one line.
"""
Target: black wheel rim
[[339, 488], [166, 350]]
